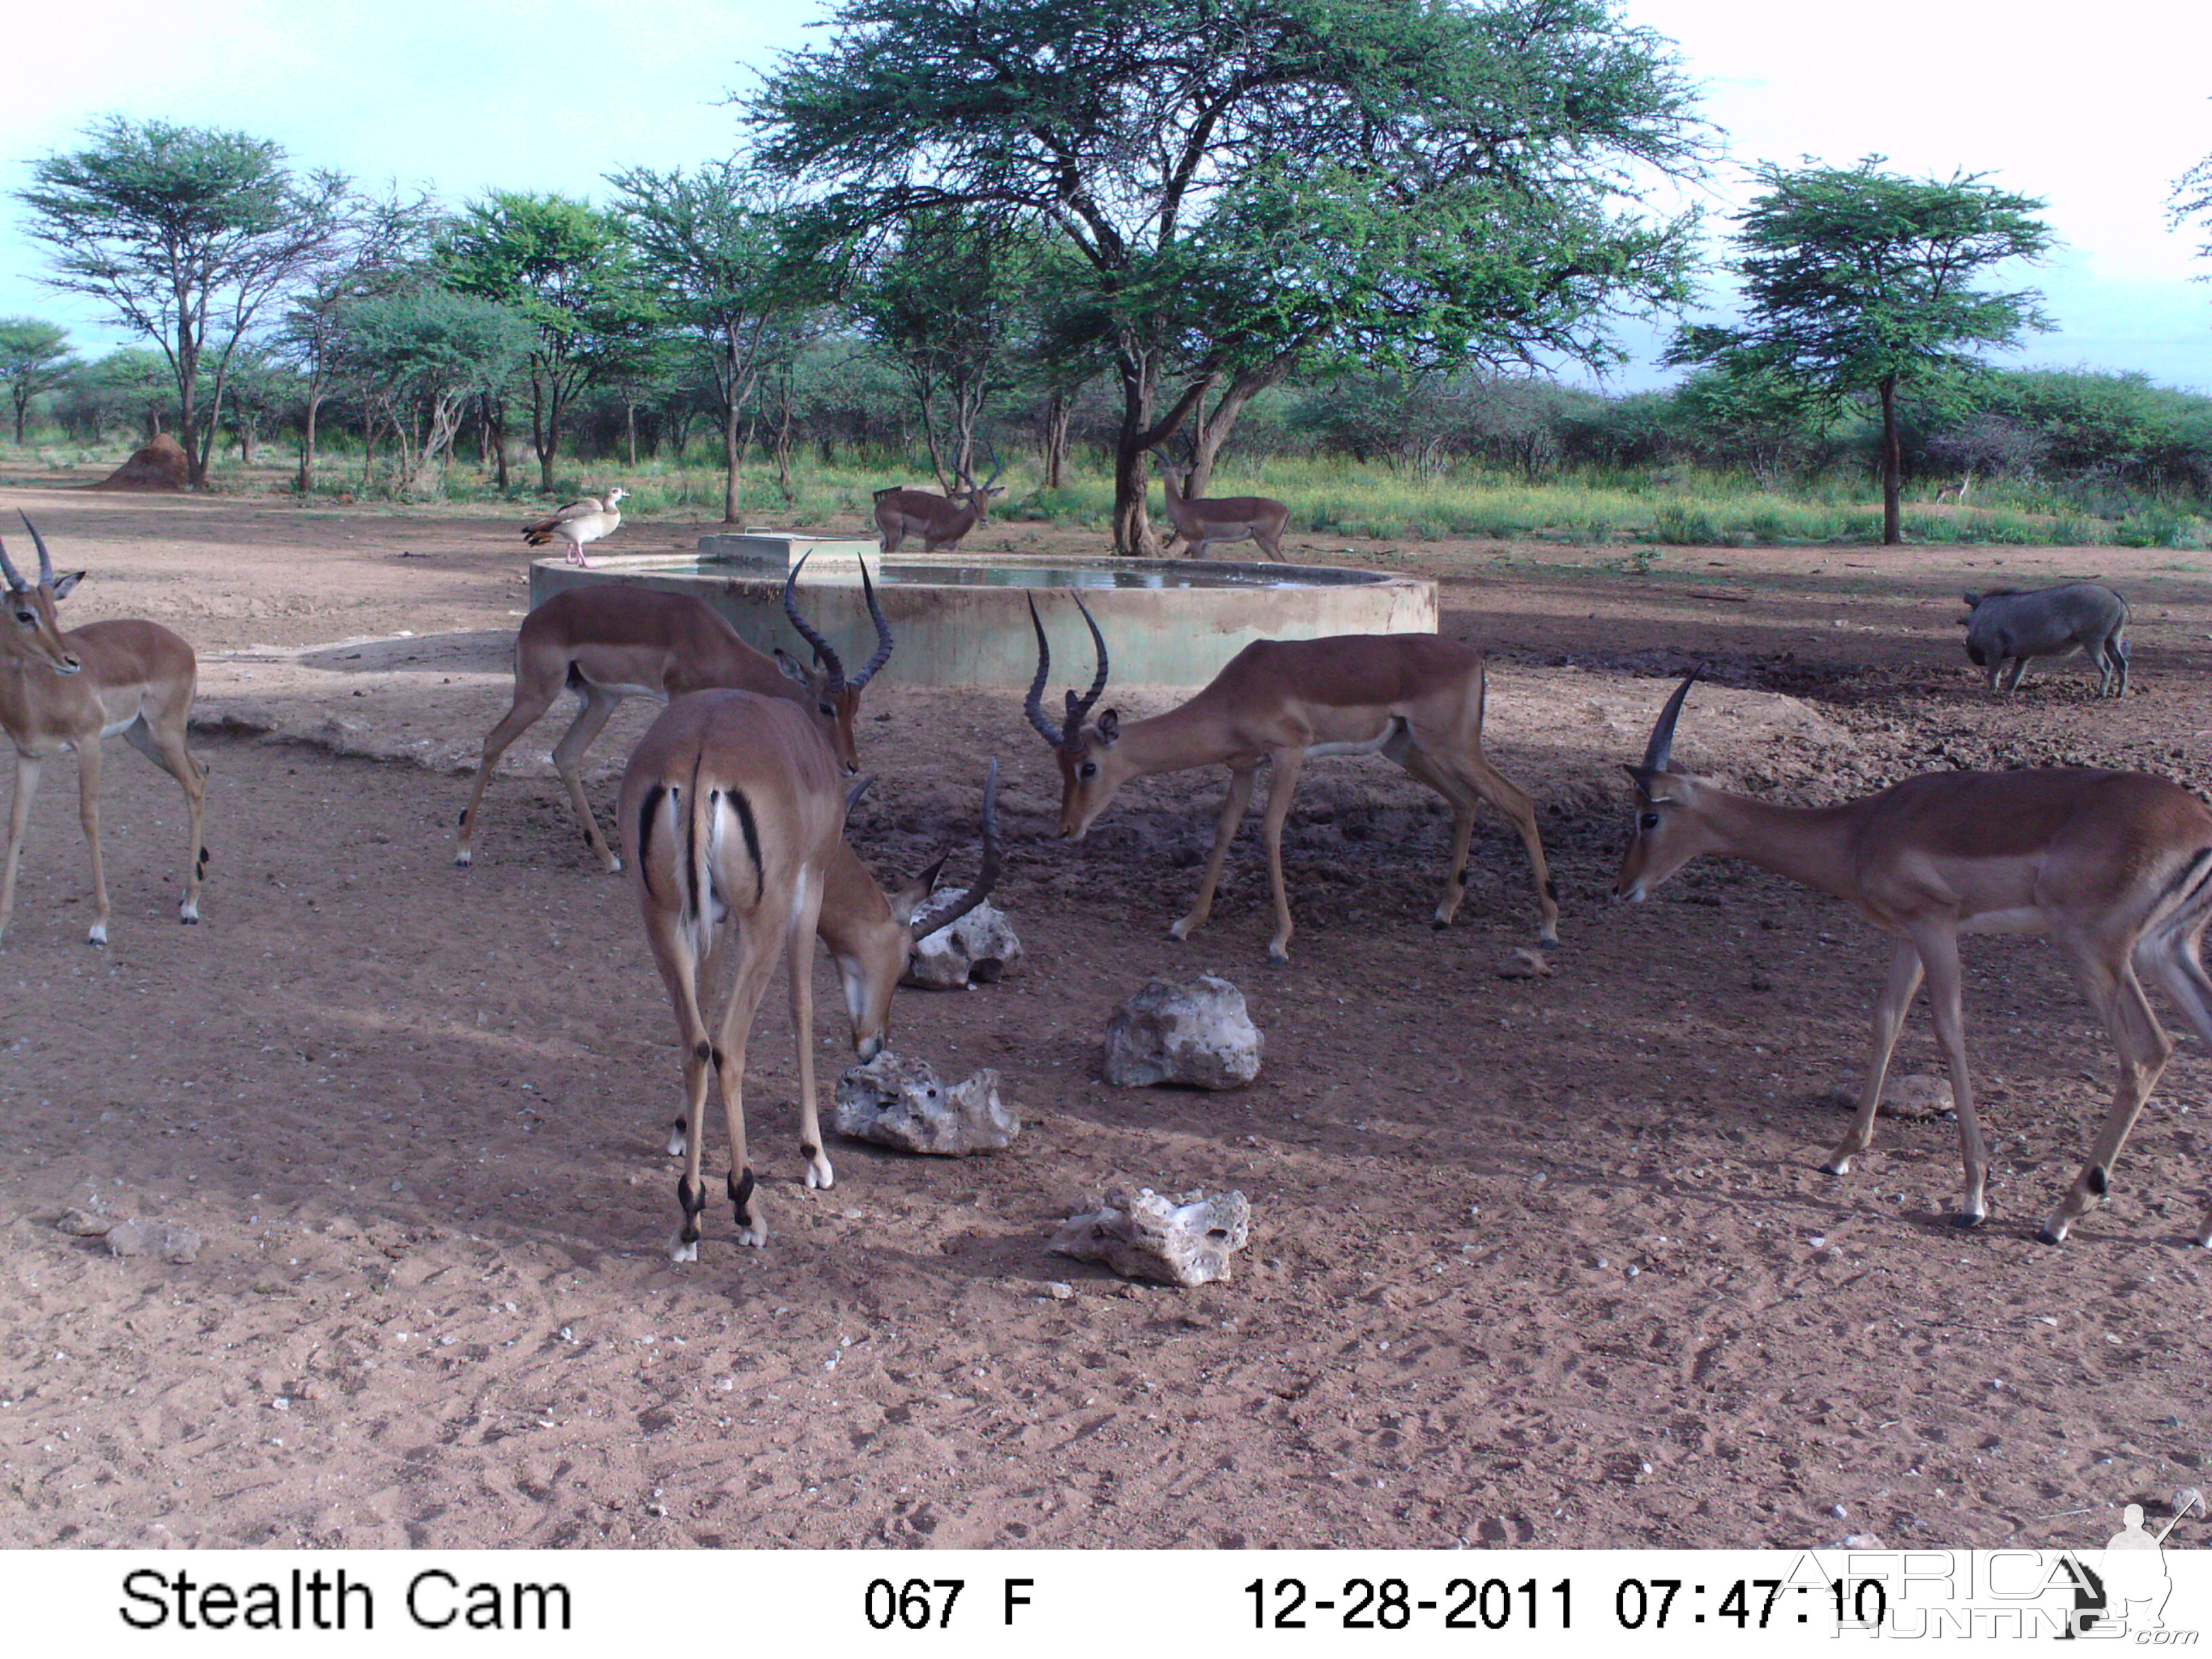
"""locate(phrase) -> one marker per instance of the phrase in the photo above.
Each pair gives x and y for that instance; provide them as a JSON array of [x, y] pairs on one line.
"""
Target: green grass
[[1329, 496]]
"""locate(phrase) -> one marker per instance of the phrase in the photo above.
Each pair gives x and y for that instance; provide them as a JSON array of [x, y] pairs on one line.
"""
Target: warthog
[[2011, 626]]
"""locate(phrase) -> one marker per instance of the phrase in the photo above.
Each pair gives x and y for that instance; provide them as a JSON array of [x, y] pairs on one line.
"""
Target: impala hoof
[[191, 920], [461, 858], [753, 1238], [1837, 1166], [2047, 1235], [678, 1251], [1278, 958], [98, 935], [820, 1175], [1965, 1219]]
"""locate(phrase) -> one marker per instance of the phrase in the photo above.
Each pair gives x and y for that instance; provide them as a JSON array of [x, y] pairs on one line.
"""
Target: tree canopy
[[1249, 181], [566, 267], [1858, 283], [184, 234], [34, 357]]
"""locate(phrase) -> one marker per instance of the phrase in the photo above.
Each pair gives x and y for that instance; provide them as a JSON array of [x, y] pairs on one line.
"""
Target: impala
[[608, 643], [68, 691], [1222, 518], [939, 520], [731, 811], [2115, 867], [1414, 698]]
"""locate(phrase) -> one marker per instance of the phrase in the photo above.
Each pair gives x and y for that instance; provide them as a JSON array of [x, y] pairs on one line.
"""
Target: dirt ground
[[1533, 1262]]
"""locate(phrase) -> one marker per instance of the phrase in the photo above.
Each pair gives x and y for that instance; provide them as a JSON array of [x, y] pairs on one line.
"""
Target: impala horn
[[997, 466], [46, 559], [823, 653], [883, 633], [986, 877], [1071, 730], [17, 585], [1661, 746]]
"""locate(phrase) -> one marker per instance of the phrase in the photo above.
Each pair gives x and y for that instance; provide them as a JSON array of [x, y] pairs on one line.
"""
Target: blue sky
[[2096, 110]]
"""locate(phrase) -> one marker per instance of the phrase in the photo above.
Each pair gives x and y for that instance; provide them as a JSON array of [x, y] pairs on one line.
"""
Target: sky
[[2097, 111]]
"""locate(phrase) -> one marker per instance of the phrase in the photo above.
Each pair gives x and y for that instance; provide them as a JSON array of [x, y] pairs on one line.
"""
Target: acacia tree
[[184, 234], [1245, 182], [416, 358], [1858, 283], [720, 246], [378, 245], [947, 304], [34, 357], [566, 267]]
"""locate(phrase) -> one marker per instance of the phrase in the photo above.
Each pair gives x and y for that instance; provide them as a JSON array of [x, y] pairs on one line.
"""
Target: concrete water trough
[[961, 620]]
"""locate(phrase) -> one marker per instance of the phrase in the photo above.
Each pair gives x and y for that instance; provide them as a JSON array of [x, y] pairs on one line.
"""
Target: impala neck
[[1810, 845], [1173, 742]]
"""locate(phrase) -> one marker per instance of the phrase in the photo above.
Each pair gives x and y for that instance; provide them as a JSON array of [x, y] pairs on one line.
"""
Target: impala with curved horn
[[731, 812], [69, 691], [2115, 867], [939, 520], [608, 643], [1414, 698]]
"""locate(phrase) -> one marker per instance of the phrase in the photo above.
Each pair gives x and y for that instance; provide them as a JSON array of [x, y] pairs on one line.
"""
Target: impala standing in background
[[608, 643], [68, 691], [939, 520], [2115, 867], [731, 811], [1414, 698], [1213, 519]]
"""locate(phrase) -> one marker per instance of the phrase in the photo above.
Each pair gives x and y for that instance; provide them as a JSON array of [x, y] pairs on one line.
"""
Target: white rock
[[978, 949], [83, 1223], [1186, 1240], [1912, 1097], [900, 1102], [167, 1239], [1196, 1033]]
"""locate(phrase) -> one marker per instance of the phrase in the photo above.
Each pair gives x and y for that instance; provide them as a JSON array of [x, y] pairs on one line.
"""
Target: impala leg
[[679, 972], [2144, 1048], [1282, 780], [27, 769], [2173, 962], [1511, 799], [1939, 955], [1271, 543], [799, 956], [165, 748], [755, 967], [1888, 1016], [1232, 814], [599, 705], [88, 813], [534, 696], [2019, 673]]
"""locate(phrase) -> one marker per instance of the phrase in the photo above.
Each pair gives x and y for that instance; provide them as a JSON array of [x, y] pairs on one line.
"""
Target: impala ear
[[1972, 599], [63, 587], [916, 894], [1110, 727], [789, 665]]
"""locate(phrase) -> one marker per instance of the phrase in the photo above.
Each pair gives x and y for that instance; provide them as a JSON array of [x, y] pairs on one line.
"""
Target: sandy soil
[[1533, 1262]]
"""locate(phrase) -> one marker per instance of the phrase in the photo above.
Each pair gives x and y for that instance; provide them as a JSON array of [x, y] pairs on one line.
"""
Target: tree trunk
[[629, 429], [544, 432], [495, 431], [1058, 414], [1138, 437], [306, 481], [22, 403], [1893, 468]]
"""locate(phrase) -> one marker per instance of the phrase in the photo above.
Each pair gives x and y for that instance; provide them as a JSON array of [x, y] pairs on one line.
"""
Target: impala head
[[31, 627], [871, 934], [834, 699], [978, 495], [1090, 773], [1665, 836]]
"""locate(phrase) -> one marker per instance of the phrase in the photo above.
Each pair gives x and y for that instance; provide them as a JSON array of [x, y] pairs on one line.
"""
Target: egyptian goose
[[579, 522]]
